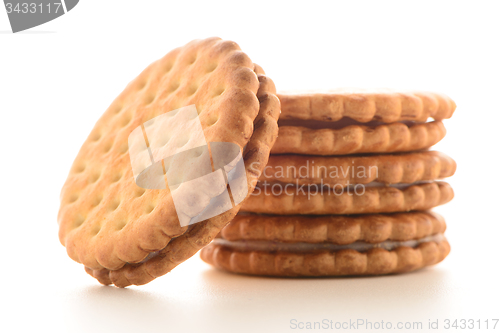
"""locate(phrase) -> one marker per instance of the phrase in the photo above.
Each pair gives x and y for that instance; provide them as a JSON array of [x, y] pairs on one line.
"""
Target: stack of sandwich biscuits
[[348, 189]]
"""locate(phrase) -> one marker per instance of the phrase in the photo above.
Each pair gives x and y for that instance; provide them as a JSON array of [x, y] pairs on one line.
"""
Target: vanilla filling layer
[[271, 246]]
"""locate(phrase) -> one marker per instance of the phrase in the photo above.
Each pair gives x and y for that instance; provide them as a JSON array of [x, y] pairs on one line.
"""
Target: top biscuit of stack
[[365, 105], [124, 234], [345, 121]]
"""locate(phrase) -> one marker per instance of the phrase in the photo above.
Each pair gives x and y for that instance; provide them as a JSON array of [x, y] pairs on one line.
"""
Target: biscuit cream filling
[[352, 187], [342, 123], [399, 186], [270, 246]]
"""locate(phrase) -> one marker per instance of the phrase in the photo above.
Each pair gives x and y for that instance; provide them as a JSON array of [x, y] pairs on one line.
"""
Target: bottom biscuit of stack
[[332, 245]]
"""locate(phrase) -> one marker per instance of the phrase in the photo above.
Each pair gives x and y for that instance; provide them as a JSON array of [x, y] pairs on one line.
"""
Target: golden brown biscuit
[[388, 169], [355, 139], [287, 199], [125, 234], [365, 105], [338, 229], [375, 261]]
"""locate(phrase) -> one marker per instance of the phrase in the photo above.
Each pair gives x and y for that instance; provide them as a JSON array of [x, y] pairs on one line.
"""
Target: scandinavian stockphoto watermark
[[27, 14], [170, 151], [206, 179], [330, 180]]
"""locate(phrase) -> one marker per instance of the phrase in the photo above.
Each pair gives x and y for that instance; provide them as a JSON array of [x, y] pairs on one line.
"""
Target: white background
[[57, 79]]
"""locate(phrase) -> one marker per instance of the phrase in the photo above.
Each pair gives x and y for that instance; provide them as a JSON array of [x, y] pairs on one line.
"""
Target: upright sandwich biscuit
[[124, 234]]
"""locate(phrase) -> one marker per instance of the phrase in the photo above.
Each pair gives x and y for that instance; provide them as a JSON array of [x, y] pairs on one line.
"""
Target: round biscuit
[[107, 222]]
